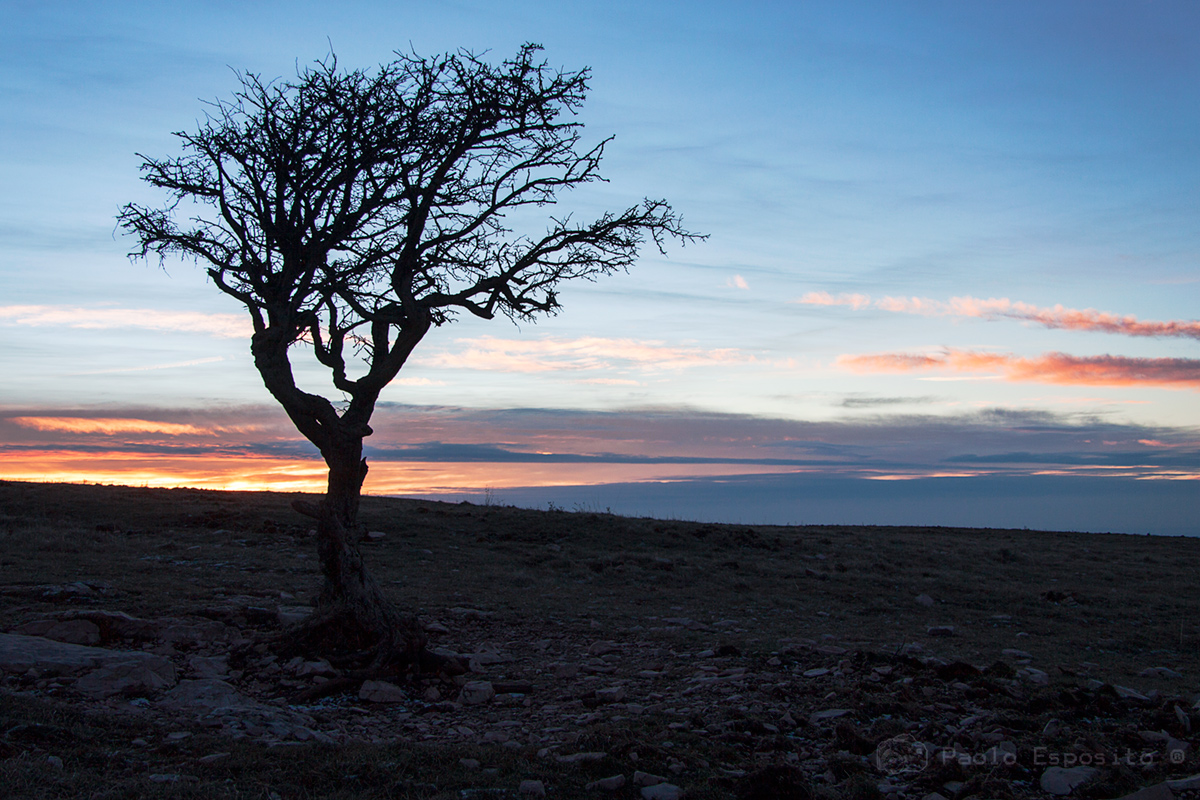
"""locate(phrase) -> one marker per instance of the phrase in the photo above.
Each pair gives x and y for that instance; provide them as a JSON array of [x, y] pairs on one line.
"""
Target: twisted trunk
[[352, 611]]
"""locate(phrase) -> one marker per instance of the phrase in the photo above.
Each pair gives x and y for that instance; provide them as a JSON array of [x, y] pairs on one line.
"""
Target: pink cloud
[[1057, 368], [1057, 316], [585, 353], [228, 326]]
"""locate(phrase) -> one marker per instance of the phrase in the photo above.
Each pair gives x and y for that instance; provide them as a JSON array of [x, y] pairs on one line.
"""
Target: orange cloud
[[1057, 368], [1057, 316], [585, 353], [113, 425], [228, 326]]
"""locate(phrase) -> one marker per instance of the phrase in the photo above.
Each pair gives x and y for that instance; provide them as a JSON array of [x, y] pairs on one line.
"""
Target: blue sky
[[938, 231]]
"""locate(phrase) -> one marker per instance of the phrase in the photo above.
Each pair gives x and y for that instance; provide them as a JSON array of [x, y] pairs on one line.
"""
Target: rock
[[1184, 720], [54, 761], [1062, 781], [816, 673], [583, 758], [1183, 784], [647, 779], [1052, 728], [609, 784], [1126, 693], [612, 694], [602, 648], [19, 654], [469, 763], [132, 677], [1034, 676], [381, 692], [1159, 791], [828, 714], [209, 666], [375, 536], [203, 693], [940, 630], [566, 670], [1011, 652], [290, 615], [532, 788], [476, 692], [75, 631], [319, 667], [1148, 672], [661, 791], [924, 600]]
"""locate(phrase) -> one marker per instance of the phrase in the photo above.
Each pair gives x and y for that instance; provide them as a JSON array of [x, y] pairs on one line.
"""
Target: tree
[[354, 211]]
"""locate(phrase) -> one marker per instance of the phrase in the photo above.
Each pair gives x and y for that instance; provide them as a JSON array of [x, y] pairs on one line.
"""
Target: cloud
[[106, 425], [586, 353], [855, 301], [173, 365], [1056, 368], [226, 326], [1057, 316], [737, 282]]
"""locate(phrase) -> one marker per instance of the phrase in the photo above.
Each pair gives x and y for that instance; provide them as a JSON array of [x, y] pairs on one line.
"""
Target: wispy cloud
[[227, 326], [586, 353], [123, 425], [151, 367], [1057, 368], [737, 282], [1057, 316]]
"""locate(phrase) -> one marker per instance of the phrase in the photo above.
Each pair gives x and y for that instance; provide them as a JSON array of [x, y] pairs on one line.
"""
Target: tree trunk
[[352, 612]]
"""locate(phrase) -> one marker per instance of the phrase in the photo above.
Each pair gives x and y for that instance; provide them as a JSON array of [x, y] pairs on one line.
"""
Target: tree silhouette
[[354, 211]]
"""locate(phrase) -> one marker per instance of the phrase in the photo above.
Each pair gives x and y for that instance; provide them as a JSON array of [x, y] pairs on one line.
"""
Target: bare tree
[[353, 211]]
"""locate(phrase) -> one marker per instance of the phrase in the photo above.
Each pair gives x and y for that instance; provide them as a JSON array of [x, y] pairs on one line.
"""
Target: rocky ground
[[609, 657]]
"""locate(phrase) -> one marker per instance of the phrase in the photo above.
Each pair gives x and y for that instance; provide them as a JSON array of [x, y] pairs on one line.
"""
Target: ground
[[729, 660]]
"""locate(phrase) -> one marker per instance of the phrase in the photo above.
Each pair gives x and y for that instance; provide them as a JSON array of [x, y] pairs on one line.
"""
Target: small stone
[[602, 647], [612, 694], [1012, 652], [211, 757], [609, 784], [1148, 672], [375, 536], [940, 630], [566, 670], [209, 666], [178, 736], [662, 791], [924, 600], [1062, 781], [54, 761], [381, 692], [471, 764], [291, 615], [1130, 694], [532, 788], [1034, 676], [831, 713], [1052, 728], [476, 692], [647, 779], [816, 673], [1184, 720], [583, 758], [320, 667]]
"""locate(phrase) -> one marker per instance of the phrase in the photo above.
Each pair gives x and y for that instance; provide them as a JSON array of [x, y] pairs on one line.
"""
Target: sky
[[952, 273]]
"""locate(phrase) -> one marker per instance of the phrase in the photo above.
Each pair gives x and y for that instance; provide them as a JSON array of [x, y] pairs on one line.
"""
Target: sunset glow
[[952, 262]]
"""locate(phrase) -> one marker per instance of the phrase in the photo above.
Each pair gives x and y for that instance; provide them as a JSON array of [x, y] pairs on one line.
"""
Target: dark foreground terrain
[[610, 656]]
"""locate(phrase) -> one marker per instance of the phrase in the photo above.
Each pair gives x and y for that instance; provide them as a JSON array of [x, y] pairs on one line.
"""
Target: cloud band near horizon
[[1056, 368], [1057, 316]]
